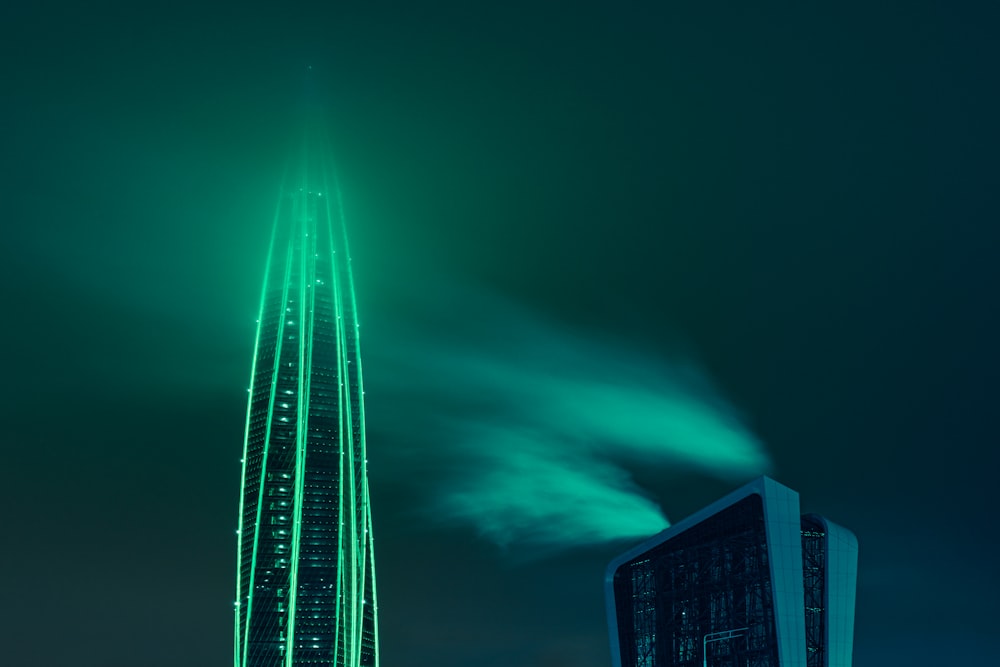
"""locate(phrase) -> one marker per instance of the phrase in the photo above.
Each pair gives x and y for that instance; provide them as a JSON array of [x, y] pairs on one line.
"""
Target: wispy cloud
[[529, 429]]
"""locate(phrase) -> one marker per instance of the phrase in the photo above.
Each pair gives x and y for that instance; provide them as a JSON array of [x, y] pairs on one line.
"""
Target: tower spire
[[306, 581]]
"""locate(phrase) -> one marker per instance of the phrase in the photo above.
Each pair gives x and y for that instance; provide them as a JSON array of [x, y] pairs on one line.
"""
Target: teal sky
[[622, 255]]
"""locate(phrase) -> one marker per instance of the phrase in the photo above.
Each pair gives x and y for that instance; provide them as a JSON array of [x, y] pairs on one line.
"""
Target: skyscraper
[[305, 571]]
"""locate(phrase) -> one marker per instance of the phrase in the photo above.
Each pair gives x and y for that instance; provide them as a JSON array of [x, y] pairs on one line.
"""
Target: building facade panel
[[841, 590], [784, 538]]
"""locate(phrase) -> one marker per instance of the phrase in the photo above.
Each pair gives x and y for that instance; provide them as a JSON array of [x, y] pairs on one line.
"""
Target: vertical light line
[[373, 592], [353, 507], [246, 440], [348, 529], [339, 624], [306, 300], [267, 444], [361, 432]]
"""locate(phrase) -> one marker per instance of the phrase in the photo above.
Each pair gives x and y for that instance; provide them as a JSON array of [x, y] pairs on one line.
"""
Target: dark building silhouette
[[745, 582], [305, 572]]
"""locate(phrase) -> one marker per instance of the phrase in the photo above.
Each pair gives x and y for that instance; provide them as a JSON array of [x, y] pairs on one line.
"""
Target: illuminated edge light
[[339, 623], [246, 443], [366, 543], [347, 621], [307, 278], [267, 445]]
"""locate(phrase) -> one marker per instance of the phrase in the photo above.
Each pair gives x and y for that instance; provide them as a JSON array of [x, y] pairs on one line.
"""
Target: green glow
[[326, 356]]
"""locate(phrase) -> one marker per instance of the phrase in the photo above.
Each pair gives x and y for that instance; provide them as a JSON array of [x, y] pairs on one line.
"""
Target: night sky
[[612, 260]]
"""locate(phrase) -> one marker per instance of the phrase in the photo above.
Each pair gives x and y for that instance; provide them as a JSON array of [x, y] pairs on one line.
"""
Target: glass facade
[[705, 593], [746, 582], [305, 570]]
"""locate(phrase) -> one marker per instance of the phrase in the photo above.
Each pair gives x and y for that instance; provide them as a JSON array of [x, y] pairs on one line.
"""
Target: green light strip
[[357, 615], [338, 313], [307, 299], [374, 590], [246, 441], [347, 537], [267, 443], [366, 543], [349, 618]]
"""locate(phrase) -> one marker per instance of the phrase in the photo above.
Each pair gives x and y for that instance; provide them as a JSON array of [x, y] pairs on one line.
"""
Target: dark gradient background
[[797, 199]]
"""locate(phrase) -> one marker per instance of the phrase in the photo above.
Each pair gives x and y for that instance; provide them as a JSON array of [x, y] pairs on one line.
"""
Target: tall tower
[[305, 581]]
